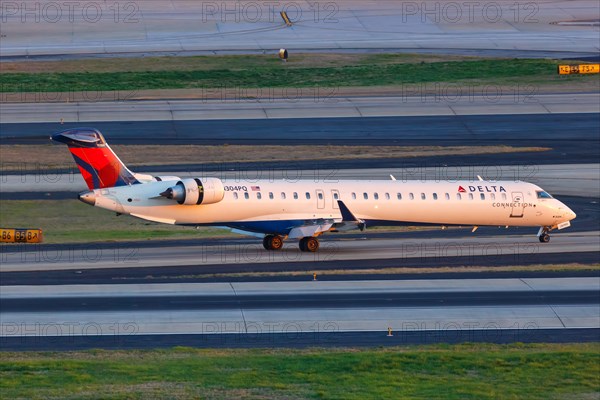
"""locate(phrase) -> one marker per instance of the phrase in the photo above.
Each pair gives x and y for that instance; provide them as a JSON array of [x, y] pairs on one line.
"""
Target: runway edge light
[[20, 235], [283, 54]]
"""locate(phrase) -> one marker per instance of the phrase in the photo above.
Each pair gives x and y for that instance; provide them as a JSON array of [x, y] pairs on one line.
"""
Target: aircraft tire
[[302, 244], [267, 242], [276, 242], [309, 244]]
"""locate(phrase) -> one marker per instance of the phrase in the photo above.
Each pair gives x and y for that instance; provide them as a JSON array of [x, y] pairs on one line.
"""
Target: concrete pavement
[[323, 105]]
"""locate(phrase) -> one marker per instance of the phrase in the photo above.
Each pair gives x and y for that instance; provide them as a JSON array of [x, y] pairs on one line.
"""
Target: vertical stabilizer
[[98, 164]]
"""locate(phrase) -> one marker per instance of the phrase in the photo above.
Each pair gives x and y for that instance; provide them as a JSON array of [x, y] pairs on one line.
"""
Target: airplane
[[304, 210]]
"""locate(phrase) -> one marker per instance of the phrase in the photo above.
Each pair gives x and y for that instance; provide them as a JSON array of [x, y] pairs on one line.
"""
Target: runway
[[542, 29], [405, 252], [64, 317], [131, 295], [521, 130]]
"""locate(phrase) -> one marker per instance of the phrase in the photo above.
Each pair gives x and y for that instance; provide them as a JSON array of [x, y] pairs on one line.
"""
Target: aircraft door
[[518, 205], [335, 196], [320, 199]]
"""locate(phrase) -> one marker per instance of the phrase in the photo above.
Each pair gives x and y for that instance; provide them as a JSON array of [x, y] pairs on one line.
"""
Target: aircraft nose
[[568, 213]]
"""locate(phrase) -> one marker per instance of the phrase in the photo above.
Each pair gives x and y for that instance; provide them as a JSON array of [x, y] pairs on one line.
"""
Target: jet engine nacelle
[[195, 191]]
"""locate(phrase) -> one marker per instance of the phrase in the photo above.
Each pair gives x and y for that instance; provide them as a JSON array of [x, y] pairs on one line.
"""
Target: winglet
[[347, 216]]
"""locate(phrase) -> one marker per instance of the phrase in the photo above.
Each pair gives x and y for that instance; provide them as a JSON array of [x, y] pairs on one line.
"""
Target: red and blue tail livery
[[98, 164]]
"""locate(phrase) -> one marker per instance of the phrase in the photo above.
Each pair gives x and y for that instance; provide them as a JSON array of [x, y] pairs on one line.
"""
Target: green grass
[[469, 371], [264, 71], [70, 221]]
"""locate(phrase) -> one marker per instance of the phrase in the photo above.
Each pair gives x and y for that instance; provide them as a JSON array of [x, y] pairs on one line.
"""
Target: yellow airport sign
[[579, 69], [12, 235]]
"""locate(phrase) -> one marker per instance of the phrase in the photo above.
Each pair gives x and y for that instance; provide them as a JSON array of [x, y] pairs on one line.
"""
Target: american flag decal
[[255, 188]]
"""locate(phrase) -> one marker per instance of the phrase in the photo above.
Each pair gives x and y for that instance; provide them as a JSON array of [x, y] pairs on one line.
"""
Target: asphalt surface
[[581, 145], [406, 251], [512, 129], [292, 300], [302, 270], [337, 313], [298, 340]]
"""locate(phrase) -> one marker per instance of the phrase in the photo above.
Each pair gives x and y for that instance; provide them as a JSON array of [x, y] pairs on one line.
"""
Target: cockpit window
[[543, 195]]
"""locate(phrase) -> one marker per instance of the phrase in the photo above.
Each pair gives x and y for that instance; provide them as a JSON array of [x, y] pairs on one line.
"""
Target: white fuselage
[[249, 206]]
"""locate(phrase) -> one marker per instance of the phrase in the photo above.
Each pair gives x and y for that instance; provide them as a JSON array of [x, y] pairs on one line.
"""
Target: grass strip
[[70, 221], [467, 371], [267, 72]]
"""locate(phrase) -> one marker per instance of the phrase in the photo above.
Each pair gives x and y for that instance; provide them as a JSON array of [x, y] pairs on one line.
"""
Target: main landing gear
[[543, 234], [273, 242], [309, 244]]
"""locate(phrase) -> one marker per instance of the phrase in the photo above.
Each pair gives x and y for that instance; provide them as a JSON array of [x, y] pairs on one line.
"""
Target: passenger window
[[320, 196], [458, 196], [353, 196], [447, 196], [423, 197], [435, 196], [411, 196], [365, 196], [307, 196], [482, 195], [470, 196], [493, 196], [259, 195], [387, 196], [376, 196], [336, 196], [283, 195], [246, 196], [235, 195], [503, 196], [399, 196], [295, 195], [271, 195]]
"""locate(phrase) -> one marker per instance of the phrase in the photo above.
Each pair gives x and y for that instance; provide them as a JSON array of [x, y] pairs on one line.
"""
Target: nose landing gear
[[545, 238], [543, 234]]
